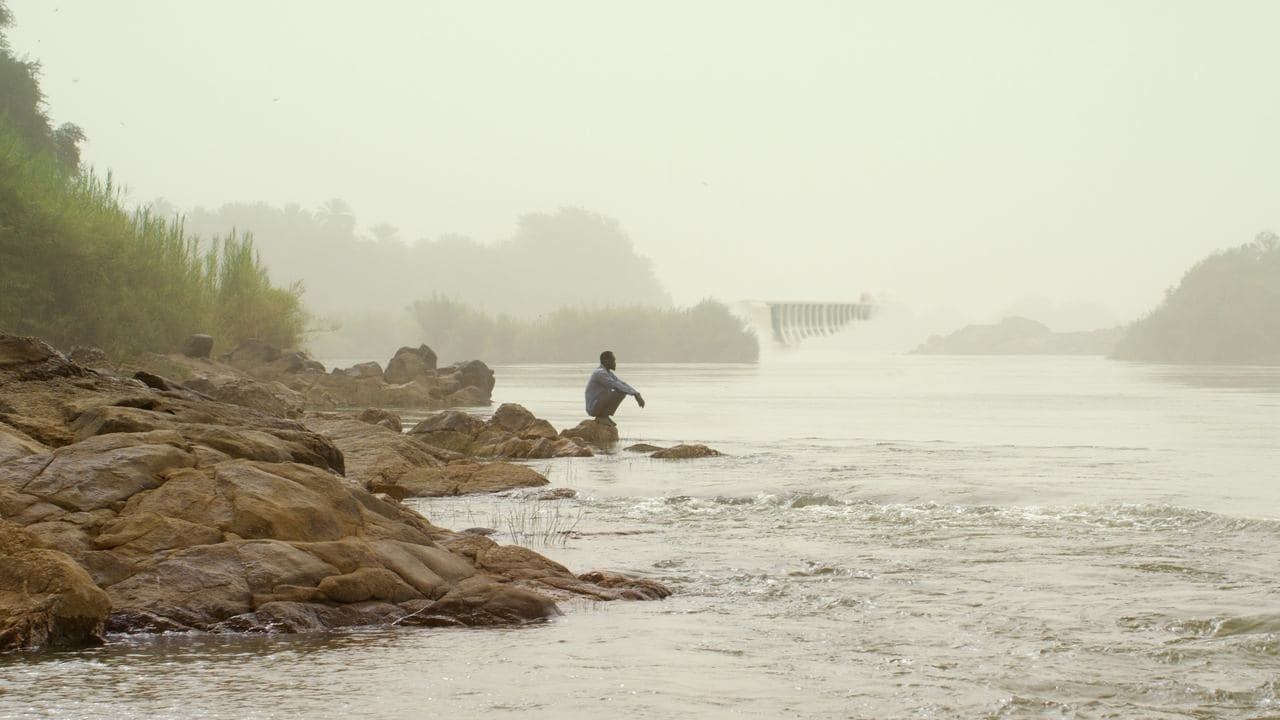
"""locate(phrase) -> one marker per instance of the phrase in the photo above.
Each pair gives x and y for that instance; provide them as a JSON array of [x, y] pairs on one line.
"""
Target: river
[[886, 536]]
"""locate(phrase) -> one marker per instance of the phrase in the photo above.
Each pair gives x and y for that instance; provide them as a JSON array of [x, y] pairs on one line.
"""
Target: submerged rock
[[686, 452]]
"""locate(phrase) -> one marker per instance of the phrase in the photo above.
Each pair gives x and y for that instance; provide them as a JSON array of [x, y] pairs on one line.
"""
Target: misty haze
[[825, 359]]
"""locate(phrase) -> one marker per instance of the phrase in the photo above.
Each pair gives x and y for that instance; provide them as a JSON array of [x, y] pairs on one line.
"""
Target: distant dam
[[790, 322]]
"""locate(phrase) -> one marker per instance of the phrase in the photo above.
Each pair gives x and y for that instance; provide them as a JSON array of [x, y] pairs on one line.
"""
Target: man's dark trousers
[[607, 404]]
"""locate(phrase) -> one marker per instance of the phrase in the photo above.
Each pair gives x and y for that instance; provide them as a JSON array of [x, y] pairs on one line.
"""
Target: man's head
[[607, 360]]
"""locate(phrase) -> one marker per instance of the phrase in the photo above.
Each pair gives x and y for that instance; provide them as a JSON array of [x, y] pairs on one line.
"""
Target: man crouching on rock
[[605, 391]]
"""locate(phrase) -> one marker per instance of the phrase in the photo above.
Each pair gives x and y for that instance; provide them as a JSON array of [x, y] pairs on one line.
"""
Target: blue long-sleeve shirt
[[603, 380]]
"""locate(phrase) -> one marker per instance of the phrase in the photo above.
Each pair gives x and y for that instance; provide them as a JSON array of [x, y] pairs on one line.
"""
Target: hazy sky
[[966, 155]]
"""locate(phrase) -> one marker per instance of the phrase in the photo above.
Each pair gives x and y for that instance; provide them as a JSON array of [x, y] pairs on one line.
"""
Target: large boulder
[[46, 598], [410, 363], [250, 355], [472, 373], [461, 479], [378, 416], [378, 458], [272, 398], [513, 433], [594, 432], [362, 370], [198, 346]]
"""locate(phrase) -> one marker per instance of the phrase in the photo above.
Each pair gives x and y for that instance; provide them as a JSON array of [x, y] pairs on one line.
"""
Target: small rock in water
[[643, 448], [686, 452], [562, 493]]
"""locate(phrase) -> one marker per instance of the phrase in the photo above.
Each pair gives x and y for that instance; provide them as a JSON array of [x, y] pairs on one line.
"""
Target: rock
[[15, 444], [28, 358], [90, 357], [156, 382], [686, 452], [343, 390], [363, 370], [251, 354], [46, 599], [561, 493], [410, 363], [197, 346], [191, 513], [472, 373], [378, 416], [594, 432], [513, 432], [378, 458], [467, 397], [453, 430], [272, 398], [25, 351], [461, 479], [642, 448], [297, 361]]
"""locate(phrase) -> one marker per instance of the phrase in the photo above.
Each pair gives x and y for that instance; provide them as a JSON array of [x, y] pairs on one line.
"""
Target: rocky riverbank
[[145, 504]]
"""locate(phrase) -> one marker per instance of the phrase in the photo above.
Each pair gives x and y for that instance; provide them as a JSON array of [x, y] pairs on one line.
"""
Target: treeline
[[567, 257], [707, 332], [78, 268], [1226, 309]]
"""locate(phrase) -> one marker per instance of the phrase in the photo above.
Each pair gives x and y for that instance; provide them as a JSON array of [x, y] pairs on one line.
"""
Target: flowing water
[[886, 537]]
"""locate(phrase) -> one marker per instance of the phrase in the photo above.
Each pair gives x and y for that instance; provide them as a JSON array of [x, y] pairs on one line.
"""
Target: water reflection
[[1244, 378]]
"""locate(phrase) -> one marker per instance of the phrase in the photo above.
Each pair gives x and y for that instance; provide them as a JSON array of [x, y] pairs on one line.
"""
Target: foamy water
[[886, 537]]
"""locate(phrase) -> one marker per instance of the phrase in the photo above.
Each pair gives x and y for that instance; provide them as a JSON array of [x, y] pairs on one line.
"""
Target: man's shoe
[[606, 420]]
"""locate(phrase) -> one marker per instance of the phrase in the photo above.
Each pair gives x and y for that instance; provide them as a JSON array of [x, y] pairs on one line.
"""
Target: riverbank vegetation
[[570, 256], [1226, 309], [79, 268], [706, 332]]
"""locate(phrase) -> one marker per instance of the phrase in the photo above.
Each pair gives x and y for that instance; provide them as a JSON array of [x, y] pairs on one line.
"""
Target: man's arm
[[611, 380]]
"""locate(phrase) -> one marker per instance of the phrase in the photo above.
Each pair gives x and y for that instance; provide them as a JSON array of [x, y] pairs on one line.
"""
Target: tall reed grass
[[78, 268]]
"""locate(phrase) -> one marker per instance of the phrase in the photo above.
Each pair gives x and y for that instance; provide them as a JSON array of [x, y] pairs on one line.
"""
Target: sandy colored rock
[[410, 363], [46, 599], [512, 432], [377, 457], [385, 418], [686, 452], [192, 513], [594, 432], [272, 398], [462, 479], [15, 444]]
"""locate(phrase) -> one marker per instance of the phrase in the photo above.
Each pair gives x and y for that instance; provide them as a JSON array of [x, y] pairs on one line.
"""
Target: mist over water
[[886, 537]]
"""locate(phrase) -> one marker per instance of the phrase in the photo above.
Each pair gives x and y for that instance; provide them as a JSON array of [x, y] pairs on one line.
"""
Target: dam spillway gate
[[790, 323]]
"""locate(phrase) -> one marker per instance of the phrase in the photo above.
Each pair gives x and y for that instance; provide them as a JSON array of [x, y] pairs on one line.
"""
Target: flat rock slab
[[686, 452]]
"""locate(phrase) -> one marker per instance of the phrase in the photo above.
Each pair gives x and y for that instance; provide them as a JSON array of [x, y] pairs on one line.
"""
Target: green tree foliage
[[77, 268], [707, 332], [22, 106], [1226, 309]]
